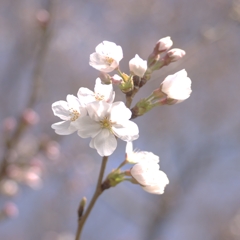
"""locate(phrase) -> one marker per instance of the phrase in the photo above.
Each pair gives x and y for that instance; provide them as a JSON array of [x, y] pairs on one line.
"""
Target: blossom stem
[[122, 164], [97, 193]]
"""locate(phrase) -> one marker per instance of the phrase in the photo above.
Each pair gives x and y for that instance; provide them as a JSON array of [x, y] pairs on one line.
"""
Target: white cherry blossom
[[138, 66], [146, 172], [102, 92], [177, 86], [106, 122], [70, 112], [107, 57]]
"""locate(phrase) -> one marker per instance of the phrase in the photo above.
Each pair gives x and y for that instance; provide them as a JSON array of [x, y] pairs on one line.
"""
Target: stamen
[[74, 114], [106, 123], [109, 60], [99, 97]]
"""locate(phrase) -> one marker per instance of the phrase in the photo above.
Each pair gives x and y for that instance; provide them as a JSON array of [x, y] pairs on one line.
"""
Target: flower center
[[99, 97], [109, 60], [106, 123], [74, 114]]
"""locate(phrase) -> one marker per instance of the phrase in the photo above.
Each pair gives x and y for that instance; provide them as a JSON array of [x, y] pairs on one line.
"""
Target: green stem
[[97, 193]]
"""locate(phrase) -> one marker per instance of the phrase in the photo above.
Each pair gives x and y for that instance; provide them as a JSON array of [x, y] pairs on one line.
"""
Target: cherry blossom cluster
[[95, 115]]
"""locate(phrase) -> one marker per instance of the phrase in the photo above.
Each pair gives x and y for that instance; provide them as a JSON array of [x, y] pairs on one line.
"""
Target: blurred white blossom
[[107, 57]]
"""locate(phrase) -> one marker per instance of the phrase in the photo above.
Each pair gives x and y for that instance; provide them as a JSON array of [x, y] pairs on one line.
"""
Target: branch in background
[[43, 18]]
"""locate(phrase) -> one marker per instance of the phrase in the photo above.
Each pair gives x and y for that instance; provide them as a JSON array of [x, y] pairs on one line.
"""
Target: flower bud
[[175, 54], [116, 79], [30, 116], [138, 66], [43, 18], [164, 44], [10, 210], [105, 78], [177, 86]]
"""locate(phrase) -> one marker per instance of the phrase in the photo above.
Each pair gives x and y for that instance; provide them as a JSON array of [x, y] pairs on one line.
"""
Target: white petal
[[127, 132], [160, 184], [129, 147], [119, 112], [105, 143], [73, 102], [91, 144], [85, 95], [138, 66], [61, 110], [87, 127], [103, 90], [98, 110], [63, 128]]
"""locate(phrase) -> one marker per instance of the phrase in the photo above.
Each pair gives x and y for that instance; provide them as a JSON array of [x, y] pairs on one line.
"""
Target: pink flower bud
[[43, 18], [9, 124], [105, 78], [30, 116], [10, 210], [164, 44], [116, 79], [175, 54]]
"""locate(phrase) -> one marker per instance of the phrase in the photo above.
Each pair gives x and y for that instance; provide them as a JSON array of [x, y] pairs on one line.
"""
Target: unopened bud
[[105, 78], [116, 79], [43, 18], [10, 210], [177, 87], [81, 207], [30, 117], [175, 54], [138, 66], [9, 124], [164, 44]]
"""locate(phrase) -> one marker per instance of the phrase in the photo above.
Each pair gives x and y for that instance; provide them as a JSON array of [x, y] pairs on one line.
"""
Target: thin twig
[[97, 193]]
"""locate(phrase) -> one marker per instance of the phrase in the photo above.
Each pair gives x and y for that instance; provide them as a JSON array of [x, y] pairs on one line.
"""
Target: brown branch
[[97, 193]]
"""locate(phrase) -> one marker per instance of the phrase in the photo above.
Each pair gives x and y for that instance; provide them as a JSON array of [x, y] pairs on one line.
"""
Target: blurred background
[[43, 176]]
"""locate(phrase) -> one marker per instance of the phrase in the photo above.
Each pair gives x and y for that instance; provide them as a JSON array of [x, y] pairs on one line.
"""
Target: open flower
[[107, 57], [138, 66], [148, 175], [106, 122], [177, 86], [102, 92], [70, 112]]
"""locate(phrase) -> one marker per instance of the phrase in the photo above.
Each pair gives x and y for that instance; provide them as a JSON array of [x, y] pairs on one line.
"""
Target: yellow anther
[[99, 97], [106, 123], [74, 114], [109, 60]]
